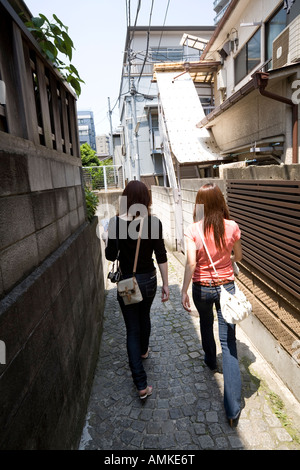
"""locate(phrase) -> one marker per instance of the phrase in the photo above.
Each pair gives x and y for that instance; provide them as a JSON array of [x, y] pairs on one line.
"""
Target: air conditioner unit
[[221, 79], [286, 47]]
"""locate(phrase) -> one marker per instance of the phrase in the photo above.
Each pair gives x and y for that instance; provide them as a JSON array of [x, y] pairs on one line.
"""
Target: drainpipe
[[260, 80]]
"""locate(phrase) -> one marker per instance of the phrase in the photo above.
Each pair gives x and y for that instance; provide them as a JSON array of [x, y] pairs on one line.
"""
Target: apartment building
[[255, 88], [102, 145], [220, 6], [86, 128], [140, 138]]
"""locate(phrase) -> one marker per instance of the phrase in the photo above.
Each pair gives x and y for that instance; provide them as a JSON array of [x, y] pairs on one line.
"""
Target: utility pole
[[111, 141], [135, 130]]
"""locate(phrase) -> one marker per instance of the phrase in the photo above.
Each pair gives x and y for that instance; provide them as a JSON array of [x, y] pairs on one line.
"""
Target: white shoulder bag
[[235, 307], [128, 288]]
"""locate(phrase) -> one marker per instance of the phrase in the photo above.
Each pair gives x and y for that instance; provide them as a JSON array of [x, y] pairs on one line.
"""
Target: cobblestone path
[[185, 411]]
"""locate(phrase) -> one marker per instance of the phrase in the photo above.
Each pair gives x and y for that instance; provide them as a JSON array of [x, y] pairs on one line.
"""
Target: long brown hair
[[215, 211], [137, 193]]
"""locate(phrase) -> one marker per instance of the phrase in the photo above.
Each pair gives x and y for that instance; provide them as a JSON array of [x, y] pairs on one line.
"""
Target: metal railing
[[103, 177]]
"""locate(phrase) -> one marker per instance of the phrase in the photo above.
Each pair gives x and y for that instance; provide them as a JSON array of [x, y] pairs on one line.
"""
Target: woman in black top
[[123, 232]]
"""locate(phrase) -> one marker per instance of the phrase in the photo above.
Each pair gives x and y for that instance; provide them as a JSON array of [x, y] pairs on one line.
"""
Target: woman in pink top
[[222, 237]]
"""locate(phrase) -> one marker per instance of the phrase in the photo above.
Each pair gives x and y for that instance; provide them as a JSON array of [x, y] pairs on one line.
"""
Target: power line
[[135, 22], [161, 34], [164, 23], [148, 37]]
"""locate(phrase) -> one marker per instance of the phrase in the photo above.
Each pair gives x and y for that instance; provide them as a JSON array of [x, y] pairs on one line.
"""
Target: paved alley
[[186, 410]]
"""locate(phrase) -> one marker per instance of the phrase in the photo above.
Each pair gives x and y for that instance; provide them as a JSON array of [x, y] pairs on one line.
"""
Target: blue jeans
[[204, 298], [138, 327]]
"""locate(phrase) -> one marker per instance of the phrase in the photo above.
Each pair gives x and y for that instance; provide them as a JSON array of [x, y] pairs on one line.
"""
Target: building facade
[[220, 6], [255, 119], [102, 145], [140, 138], [86, 128]]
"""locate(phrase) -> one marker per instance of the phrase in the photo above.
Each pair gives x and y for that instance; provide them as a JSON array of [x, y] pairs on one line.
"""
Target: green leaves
[[88, 155], [91, 203], [53, 38]]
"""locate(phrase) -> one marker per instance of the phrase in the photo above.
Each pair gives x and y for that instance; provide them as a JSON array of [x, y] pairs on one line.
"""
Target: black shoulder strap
[[117, 235]]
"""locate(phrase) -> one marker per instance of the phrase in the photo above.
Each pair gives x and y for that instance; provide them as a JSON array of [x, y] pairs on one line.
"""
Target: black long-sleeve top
[[126, 241]]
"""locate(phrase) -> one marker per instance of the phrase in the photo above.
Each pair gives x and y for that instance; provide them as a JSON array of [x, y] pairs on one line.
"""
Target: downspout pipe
[[260, 80]]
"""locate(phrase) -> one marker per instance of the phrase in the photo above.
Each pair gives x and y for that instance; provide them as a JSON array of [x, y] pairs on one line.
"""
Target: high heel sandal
[[146, 393]]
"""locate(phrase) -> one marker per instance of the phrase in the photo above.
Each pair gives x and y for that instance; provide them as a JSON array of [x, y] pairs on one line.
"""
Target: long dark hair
[[215, 211], [137, 193]]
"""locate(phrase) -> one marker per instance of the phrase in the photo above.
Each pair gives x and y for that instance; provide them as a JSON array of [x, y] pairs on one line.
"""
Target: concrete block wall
[[51, 324], [163, 207], [52, 297], [41, 205], [189, 189]]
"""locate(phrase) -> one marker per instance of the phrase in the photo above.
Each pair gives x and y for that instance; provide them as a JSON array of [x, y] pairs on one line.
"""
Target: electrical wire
[[135, 22], [128, 21], [166, 13], [164, 23], [148, 37]]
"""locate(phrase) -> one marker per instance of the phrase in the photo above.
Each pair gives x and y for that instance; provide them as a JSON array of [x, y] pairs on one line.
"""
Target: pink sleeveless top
[[204, 271]]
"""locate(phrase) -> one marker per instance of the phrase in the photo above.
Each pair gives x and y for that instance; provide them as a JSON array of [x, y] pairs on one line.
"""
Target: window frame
[[244, 51], [268, 35]]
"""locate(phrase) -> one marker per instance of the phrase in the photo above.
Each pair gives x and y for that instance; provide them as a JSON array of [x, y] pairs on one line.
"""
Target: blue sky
[[98, 31]]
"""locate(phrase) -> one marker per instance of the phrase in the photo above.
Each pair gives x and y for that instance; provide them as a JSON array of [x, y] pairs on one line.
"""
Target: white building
[[102, 145], [255, 91], [141, 143]]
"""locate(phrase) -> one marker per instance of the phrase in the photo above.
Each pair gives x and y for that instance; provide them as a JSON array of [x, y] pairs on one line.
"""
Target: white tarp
[[182, 111]]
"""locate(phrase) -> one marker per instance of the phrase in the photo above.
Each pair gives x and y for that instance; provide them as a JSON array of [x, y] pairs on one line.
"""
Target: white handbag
[[128, 288], [234, 307]]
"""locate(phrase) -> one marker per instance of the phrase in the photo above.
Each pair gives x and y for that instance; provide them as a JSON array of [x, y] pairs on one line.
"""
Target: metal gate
[[103, 177]]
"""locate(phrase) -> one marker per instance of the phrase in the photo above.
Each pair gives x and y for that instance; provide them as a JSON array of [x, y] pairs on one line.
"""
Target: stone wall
[[41, 205], [52, 297], [51, 324]]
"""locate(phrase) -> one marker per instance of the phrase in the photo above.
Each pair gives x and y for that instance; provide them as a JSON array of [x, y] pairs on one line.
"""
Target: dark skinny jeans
[[138, 326], [204, 299]]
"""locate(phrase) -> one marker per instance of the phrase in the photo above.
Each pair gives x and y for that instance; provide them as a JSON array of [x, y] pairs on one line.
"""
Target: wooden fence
[[40, 106]]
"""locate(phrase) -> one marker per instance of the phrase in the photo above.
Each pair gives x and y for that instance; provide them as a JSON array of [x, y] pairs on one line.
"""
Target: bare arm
[[163, 267], [188, 273], [237, 252]]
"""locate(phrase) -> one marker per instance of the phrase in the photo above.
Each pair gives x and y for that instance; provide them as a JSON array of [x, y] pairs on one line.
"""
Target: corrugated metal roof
[[182, 111], [200, 71]]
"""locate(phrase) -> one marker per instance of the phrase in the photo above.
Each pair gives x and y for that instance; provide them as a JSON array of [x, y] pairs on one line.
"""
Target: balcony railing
[[220, 14]]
